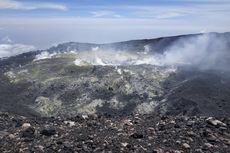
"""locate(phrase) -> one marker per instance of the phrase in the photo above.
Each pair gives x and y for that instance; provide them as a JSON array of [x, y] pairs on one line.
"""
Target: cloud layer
[[19, 5], [7, 50]]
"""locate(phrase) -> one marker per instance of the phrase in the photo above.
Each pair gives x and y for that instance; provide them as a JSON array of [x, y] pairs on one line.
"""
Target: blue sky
[[47, 22]]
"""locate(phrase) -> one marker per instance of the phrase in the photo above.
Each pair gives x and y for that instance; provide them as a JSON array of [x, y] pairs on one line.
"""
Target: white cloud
[[190, 9], [104, 13], [6, 40], [159, 14], [203, 31], [169, 15], [14, 4], [7, 50]]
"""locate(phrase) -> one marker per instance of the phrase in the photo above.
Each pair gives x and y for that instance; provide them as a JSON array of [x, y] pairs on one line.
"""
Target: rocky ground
[[100, 133]]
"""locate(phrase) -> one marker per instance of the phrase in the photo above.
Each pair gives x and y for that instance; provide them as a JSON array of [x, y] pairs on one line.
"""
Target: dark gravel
[[98, 133]]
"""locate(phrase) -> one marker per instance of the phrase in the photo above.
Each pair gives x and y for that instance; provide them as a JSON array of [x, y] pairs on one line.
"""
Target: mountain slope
[[174, 75]]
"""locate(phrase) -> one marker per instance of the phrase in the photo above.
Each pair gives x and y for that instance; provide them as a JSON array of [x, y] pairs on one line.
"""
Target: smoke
[[44, 55], [205, 51], [106, 57]]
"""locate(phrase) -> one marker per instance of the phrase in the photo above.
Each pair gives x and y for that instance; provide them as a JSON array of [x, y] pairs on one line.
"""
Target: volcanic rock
[[186, 146], [137, 136], [48, 132], [28, 132], [215, 122]]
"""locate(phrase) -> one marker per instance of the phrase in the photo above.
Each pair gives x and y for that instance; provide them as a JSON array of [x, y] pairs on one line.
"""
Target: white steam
[[44, 55], [111, 57], [206, 51]]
